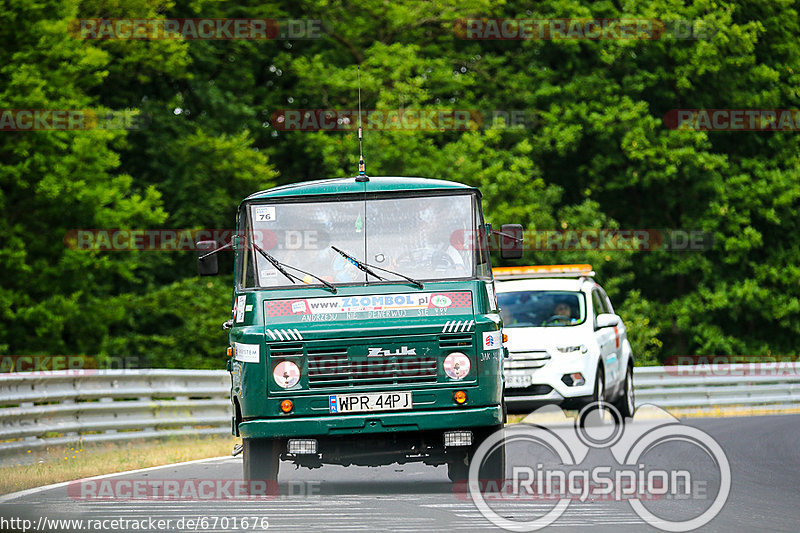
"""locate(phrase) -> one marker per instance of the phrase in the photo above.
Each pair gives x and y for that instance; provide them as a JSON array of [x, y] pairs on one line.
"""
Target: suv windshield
[[418, 236], [541, 308]]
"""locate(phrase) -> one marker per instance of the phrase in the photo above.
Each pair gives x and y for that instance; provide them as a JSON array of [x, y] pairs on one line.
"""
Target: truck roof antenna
[[362, 169]]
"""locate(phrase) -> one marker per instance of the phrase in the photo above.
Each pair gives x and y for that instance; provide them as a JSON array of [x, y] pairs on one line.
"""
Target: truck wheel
[[626, 404], [458, 466], [493, 468], [261, 459]]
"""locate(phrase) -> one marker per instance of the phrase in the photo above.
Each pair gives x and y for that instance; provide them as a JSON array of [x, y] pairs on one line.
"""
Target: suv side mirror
[[607, 320], [511, 241], [207, 264]]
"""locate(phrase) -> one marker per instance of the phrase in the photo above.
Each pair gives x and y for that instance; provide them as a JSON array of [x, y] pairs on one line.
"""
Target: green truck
[[364, 327]]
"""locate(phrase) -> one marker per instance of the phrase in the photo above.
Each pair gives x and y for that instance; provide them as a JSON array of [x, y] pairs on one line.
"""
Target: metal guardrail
[[715, 386], [56, 408], [65, 407]]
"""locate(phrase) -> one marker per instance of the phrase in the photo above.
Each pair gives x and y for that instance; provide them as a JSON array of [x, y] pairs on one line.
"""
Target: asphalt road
[[762, 451]]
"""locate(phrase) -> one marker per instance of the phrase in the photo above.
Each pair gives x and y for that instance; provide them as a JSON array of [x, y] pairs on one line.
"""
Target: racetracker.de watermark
[[376, 119], [42, 365], [253, 29], [407, 119], [173, 240], [113, 489], [603, 239], [70, 120], [584, 29], [732, 365], [733, 119], [164, 240]]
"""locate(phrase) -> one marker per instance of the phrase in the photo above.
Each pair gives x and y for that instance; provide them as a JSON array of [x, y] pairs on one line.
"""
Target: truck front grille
[[331, 368], [455, 342]]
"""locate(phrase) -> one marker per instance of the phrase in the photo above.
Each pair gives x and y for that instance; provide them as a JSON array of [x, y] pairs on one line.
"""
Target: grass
[[515, 419], [76, 462]]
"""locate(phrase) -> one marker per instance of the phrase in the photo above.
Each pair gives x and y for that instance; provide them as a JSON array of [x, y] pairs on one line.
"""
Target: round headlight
[[286, 374], [456, 365]]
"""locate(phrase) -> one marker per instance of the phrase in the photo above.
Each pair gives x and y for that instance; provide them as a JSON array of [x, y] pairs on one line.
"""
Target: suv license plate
[[518, 382]]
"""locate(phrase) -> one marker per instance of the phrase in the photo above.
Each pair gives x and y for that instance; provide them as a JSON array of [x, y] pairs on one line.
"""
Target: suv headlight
[[572, 349], [456, 365], [286, 374]]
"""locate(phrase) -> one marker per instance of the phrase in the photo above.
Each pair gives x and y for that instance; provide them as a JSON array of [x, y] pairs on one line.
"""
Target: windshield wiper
[[366, 268], [281, 267], [361, 266]]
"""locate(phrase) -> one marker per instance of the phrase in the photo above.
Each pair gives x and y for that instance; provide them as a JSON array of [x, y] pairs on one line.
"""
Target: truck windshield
[[541, 308], [422, 237]]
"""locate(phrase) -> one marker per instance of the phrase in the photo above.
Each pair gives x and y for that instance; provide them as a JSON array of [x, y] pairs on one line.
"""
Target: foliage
[[598, 155]]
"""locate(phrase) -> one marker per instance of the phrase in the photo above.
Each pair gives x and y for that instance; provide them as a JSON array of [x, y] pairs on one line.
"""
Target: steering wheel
[[425, 257], [557, 318], [435, 260], [442, 261], [409, 258]]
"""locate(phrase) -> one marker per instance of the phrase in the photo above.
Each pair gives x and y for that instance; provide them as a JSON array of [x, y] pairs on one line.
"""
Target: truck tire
[[493, 468], [458, 466], [260, 461]]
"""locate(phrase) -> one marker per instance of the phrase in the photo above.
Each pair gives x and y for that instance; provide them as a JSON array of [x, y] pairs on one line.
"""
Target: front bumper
[[546, 382], [378, 422]]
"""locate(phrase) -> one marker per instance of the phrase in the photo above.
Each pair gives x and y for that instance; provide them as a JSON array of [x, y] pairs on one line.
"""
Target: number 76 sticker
[[264, 213]]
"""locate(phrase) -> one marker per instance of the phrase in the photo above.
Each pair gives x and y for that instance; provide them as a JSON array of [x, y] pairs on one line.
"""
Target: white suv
[[565, 344]]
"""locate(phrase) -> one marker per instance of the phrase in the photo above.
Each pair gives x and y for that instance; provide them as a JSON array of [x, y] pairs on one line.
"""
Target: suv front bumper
[[546, 382]]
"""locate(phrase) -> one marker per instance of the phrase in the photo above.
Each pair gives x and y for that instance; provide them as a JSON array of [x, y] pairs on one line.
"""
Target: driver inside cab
[[426, 250], [562, 313]]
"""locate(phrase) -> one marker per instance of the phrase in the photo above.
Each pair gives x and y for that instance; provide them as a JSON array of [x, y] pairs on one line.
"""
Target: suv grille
[[533, 390], [526, 360]]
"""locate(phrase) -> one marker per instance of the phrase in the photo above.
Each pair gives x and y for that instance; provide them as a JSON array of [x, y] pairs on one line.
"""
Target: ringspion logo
[[649, 462]]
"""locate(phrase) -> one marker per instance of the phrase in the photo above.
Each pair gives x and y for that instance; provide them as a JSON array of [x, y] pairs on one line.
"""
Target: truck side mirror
[[511, 241], [207, 264]]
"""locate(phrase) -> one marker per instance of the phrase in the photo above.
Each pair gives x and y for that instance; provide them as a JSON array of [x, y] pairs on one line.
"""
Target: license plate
[[518, 382], [378, 401]]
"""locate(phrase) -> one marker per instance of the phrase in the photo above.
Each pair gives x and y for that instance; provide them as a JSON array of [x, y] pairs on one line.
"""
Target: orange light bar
[[542, 271]]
